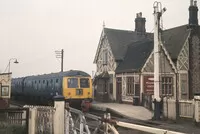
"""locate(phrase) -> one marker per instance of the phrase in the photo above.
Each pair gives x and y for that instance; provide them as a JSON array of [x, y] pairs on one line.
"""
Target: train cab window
[[84, 83], [72, 83]]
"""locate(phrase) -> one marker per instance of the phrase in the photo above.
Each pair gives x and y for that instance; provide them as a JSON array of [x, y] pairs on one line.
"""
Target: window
[[4, 91], [137, 90], [167, 86], [47, 83], [56, 80], [84, 83], [105, 57], [72, 83], [130, 86]]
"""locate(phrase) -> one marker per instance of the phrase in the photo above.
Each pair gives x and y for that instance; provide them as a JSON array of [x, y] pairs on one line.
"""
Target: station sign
[[149, 85]]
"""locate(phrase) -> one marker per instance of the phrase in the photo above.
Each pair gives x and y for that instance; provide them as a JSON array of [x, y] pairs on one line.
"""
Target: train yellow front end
[[77, 89]]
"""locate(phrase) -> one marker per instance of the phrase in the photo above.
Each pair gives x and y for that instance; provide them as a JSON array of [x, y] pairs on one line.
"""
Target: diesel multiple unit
[[74, 85]]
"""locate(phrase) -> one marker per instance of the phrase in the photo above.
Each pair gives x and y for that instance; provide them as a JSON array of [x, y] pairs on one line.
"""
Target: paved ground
[[141, 113], [136, 112]]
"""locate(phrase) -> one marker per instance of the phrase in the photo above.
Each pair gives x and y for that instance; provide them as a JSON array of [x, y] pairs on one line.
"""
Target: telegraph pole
[[60, 55], [157, 44]]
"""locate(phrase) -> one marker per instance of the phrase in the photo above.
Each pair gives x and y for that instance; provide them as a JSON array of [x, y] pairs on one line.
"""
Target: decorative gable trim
[[99, 46], [147, 61], [183, 57], [167, 56]]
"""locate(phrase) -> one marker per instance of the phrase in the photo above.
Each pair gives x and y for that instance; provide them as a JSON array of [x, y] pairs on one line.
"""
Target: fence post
[[67, 118], [59, 115], [32, 119], [197, 109]]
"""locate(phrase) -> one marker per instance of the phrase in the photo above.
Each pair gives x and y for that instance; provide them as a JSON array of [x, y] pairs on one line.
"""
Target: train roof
[[70, 73]]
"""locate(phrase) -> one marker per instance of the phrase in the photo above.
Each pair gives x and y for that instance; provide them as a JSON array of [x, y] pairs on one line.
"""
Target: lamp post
[[158, 11], [15, 61]]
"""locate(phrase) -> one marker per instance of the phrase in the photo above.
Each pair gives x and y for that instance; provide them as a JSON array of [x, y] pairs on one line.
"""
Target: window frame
[[167, 86]]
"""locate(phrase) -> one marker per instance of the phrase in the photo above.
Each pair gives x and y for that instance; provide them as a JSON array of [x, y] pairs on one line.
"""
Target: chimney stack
[[140, 24], [193, 13]]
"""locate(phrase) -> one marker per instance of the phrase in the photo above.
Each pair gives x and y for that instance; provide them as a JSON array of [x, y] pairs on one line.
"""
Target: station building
[[125, 62]]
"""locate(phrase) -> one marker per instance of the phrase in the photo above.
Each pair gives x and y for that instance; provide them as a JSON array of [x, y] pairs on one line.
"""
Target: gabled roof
[[174, 39], [120, 39], [136, 55]]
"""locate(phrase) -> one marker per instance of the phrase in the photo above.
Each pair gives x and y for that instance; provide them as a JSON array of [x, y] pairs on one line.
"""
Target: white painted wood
[[183, 57], [67, 118], [5, 80], [113, 129], [197, 109], [141, 86], [114, 88], [81, 124], [146, 129], [59, 117], [156, 53], [32, 119], [186, 108]]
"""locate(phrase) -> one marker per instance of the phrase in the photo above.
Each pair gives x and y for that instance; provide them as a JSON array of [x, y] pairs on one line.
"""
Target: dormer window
[[105, 57]]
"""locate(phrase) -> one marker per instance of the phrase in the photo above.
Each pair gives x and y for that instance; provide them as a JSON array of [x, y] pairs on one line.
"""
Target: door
[[119, 89]]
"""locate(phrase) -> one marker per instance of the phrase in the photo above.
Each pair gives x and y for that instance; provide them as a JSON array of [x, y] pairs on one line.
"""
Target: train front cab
[[77, 89]]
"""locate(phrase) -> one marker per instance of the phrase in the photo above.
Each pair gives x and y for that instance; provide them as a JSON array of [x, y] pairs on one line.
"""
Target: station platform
[[142, 115], [125, 110]]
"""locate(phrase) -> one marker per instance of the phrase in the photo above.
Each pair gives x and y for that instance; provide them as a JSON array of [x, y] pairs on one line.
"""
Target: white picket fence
[[187, 109]]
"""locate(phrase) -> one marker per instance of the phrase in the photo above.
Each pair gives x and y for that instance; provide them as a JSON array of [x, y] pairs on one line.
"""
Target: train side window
[[43, 81], [47, 83], [72, 83], [84, 83], [56, 80]]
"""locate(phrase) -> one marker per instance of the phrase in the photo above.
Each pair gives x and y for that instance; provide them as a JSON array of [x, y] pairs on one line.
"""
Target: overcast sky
[[31, 30]]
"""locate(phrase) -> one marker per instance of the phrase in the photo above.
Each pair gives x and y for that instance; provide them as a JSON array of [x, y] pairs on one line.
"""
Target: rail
[[85, 123], [81, 123]]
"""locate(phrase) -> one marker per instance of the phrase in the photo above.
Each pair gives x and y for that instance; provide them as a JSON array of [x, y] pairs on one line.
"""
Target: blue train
[[74, 85]]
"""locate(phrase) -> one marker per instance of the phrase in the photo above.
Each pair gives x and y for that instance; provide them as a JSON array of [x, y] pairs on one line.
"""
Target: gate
[[14, 121], [147, 101]]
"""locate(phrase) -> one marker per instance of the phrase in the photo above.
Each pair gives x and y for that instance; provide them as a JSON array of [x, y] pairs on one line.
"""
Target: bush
[[13, 129]]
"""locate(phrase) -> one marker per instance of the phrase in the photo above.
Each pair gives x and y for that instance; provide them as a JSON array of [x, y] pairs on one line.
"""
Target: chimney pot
[[191, 2], [195, 3]]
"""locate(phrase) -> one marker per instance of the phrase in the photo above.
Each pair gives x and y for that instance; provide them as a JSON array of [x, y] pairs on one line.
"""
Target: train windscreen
[[72, 83], [84, 83]]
